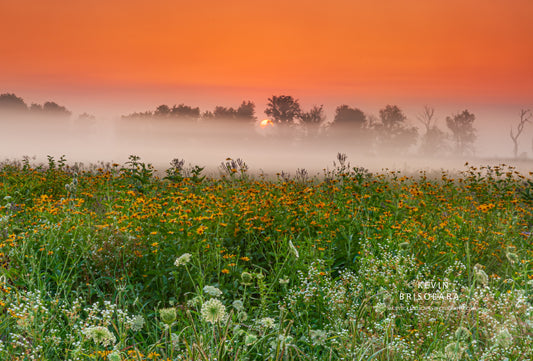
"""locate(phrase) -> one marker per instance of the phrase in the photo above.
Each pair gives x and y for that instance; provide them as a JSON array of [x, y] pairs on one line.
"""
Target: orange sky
[[382, 50]]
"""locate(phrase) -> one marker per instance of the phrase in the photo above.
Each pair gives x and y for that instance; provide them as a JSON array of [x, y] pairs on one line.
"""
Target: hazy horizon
[[208, 144], [99, 59]]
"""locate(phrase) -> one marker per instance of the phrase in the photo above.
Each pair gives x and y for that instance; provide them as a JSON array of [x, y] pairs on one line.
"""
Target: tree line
[[389, 131], [10, 103], [245, 112]]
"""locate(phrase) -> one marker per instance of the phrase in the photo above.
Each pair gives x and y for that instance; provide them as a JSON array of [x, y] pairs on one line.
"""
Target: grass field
[[114, 263]]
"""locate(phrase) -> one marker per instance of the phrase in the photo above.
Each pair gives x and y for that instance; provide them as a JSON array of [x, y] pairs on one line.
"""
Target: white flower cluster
[[212, 291], [213, 311], [182, 260], [100, 335]]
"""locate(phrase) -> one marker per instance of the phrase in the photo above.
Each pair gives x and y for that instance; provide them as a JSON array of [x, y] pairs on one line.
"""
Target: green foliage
[[138, 173], [114, 263]]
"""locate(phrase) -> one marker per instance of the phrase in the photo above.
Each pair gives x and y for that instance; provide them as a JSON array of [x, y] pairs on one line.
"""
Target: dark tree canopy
[[181, 111], [139, 115], [246, 112], [393, 133], [392, 116], [52, 108], [185, 111], [313, 119], [464, 134], [12, 103], [347, 116], [315, 116], [162, 111], [283, 109], [207, 115], [221, 112], [36, 108]]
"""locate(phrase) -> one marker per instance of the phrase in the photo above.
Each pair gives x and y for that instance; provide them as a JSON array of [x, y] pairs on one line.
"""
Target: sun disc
[[265, 123]]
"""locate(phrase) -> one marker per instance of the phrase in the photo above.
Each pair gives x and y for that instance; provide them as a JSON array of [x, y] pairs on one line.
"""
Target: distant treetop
[[283, 109], [13, 104]]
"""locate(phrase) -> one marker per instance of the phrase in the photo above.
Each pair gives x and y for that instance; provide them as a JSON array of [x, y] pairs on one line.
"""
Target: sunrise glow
[[266, 123], [417, 51]]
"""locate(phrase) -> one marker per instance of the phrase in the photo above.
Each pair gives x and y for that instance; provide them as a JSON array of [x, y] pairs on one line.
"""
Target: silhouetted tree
[[433, 140], [392, 117], [463, 132], [347, 116], [283, 109], [185, 111], [313, 119], [352, 126], [223, 113], [162, 111], [52, 108], [314, 116], [207, 115], [139, 115], [246, 111], [524, 118], [36, 108], [181, 111], [393, 133], [426, 118], [12, 103]]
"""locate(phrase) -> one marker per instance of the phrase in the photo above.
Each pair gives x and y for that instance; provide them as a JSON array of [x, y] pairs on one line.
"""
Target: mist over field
[[271, 149]]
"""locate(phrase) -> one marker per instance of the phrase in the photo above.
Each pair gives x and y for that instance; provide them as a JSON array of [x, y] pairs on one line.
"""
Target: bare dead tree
[[426, 117], [525, 115]]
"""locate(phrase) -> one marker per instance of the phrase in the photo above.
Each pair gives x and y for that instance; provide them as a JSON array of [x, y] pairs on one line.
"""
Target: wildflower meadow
[[119, 262]]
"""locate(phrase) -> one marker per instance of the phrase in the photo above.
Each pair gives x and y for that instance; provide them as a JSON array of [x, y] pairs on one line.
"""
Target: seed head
[[318, 337], [512, 257], [114, 356], [213, 310], [480, 275], [293, 249], [100, 335], [380, 307], [242, 316], [238, 305], [168, 315], [267, 322], [136, 323], [504, 339], [454, 351], [462, 333], [404, 245], [250, 339], [246, 278]]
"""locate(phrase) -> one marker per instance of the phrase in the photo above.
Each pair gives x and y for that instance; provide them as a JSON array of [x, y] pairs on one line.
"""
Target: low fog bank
[[268, 150]]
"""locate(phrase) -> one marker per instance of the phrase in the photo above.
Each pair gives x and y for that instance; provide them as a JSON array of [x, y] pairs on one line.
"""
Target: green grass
[[346, 266]]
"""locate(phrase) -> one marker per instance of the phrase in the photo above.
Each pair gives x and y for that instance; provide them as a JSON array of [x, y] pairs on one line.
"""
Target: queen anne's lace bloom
[[182, 260], [213, 310], [100, 335], [212, 291]]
